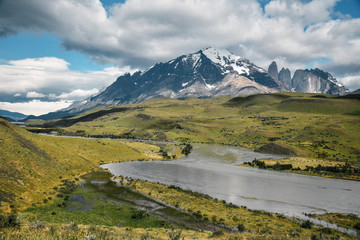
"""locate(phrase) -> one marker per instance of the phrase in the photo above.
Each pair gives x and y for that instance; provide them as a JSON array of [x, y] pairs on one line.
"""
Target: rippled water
[[210, 169]]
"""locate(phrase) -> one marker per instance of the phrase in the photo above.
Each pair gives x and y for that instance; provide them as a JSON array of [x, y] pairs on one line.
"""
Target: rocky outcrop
[[317, 81], [273, 70], [308, 81], [285, 76]]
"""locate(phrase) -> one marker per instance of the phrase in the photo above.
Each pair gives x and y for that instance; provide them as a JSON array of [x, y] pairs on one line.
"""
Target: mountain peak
[[227, 60], [273, 70], [217, 54]]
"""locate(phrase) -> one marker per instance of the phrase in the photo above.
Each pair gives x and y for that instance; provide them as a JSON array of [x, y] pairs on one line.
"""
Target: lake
[[210, 169]]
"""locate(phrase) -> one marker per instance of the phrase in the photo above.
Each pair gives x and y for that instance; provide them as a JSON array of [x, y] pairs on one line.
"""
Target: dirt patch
[[275, 148], [79, 203], [144, 117]]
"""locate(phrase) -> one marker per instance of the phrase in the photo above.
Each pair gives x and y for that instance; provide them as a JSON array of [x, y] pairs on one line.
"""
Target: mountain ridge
[[207, 73], [15, 116]]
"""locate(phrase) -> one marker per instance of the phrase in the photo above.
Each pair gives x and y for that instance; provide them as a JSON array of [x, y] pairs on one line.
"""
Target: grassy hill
[[31, 165], [311, 125], [34, 168]]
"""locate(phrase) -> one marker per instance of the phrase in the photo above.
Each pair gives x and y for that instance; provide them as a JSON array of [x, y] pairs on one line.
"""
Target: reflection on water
[[210, 169]]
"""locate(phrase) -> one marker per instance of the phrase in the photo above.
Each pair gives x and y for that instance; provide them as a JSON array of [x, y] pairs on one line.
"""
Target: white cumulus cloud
[[34, 95], [140, 33], [50, 77], [78, 93], [34, 107]]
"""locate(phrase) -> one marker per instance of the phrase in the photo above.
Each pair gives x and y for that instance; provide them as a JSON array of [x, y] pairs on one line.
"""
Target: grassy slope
[[30, 164], [350, 221], [258, 225], [65, 232], [311, 125]]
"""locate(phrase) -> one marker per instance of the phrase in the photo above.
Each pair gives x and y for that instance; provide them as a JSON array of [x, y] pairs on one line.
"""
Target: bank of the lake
[[209, 169], [309, 166]]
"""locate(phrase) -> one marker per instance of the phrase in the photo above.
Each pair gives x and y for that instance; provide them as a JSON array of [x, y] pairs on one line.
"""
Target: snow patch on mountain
[[184, 84], [227, 60]]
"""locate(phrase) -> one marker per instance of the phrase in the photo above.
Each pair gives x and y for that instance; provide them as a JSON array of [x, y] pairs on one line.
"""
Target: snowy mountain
[[206, 73]]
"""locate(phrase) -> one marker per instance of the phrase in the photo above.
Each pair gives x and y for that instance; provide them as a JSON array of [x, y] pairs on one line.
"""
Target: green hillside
[[311, 125], [34, 168], [31, 165]]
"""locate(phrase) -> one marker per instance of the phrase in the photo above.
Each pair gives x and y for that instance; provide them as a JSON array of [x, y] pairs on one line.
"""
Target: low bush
[[8, 221]]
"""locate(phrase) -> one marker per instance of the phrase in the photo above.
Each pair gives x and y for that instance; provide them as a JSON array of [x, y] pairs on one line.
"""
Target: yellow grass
[[302, 162], [31, 165], [258, 225]]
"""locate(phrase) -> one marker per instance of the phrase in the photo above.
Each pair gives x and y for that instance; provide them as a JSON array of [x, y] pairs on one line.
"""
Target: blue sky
[[73, 52], [351, 7], [35, 45]]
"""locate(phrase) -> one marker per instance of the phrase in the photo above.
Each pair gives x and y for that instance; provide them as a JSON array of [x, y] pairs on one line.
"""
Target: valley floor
[[103, 209], [42, 194]]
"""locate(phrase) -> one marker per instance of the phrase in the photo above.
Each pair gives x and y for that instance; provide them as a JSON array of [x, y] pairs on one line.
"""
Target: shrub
[[138, 214], [241, 227], [10, 220], [187, 149], [326, 230], [357, 226], [307, 224]]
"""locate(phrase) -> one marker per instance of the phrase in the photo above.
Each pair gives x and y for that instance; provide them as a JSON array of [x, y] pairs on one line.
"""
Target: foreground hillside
[[31, 165], [39, 184], [310, 125]]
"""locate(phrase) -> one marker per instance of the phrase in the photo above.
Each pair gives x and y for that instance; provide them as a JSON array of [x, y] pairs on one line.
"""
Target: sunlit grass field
[[308, 125], [31, 165]]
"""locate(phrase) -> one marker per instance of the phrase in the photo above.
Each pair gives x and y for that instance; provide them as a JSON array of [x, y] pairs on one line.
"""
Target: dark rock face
[[285, 76], [273, 71]]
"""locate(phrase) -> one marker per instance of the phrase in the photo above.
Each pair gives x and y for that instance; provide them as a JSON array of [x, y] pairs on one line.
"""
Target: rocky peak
[[273, 70], [285, 76], [317, 81], [227, 61]]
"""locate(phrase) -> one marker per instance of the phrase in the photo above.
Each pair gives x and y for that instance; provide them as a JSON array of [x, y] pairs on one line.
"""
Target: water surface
[[210, 169]]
